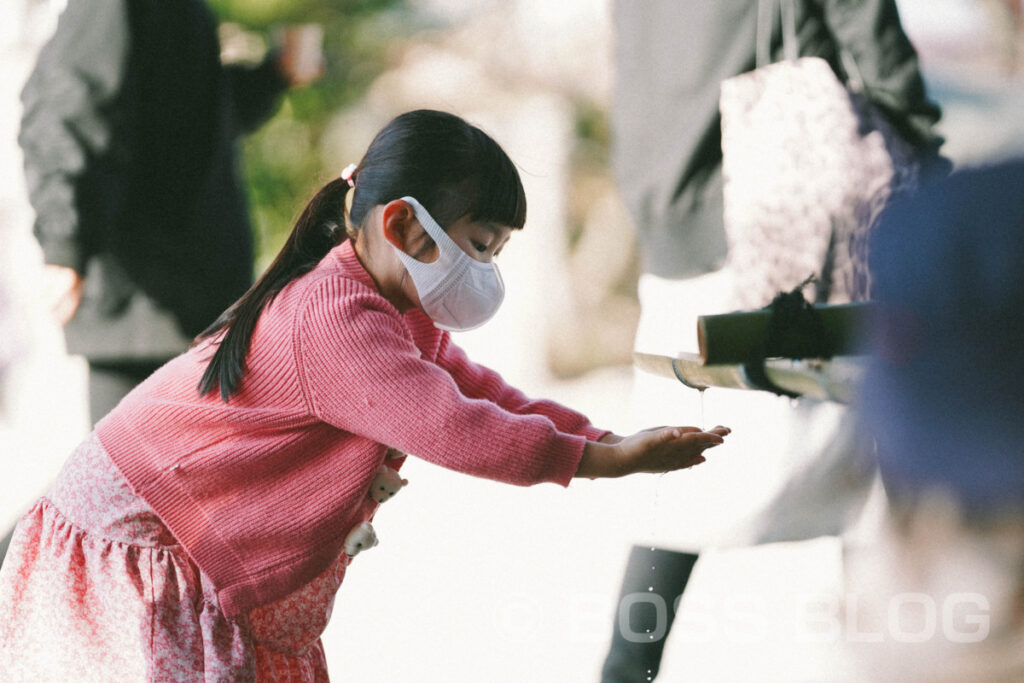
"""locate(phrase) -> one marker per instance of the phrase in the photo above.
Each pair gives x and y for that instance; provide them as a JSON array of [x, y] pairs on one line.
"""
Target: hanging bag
[[808, 165]]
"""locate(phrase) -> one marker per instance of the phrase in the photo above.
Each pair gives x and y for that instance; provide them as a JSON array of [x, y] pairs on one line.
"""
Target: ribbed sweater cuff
[[593, 433], [563, 459], [65, 253]]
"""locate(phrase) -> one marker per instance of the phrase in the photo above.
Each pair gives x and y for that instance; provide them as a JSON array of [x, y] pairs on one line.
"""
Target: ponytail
[[320, 228]]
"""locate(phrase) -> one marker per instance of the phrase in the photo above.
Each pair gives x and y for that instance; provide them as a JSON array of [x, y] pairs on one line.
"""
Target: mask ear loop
[[431, 226]]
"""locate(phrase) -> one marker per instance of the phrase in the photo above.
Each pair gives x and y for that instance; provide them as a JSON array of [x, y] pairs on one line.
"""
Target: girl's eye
[[479, 247]]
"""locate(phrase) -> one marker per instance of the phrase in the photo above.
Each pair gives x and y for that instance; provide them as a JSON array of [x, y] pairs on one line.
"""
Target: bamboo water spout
[[750, 350]]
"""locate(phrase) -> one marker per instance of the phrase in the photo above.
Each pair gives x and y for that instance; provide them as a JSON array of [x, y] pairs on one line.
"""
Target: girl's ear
[[397, 220]]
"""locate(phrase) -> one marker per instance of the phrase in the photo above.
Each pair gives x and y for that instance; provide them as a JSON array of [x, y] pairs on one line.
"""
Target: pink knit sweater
[[262, 490]]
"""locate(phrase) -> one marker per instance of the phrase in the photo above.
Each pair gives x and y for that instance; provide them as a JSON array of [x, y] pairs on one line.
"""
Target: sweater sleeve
[[255, 91], [362, 373], [477, 381], [69, 102]]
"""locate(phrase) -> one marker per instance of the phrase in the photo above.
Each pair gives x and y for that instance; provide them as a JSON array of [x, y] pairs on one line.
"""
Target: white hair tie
[[346, 174]]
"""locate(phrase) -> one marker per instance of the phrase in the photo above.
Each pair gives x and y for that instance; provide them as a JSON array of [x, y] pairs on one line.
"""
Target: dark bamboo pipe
[[742, 337]]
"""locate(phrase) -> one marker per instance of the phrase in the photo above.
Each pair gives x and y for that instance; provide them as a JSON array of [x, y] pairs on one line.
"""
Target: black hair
[[453, 168]]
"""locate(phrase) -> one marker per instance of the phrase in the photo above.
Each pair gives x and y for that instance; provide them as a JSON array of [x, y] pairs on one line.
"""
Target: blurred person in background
[[129, 132], [941, 597], [671, 58], [129, 137]]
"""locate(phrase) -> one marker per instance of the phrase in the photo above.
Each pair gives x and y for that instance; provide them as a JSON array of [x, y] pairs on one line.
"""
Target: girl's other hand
[[661, 449]]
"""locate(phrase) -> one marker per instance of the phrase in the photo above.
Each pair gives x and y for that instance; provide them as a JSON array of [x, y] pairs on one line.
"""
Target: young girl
[[202, 530]]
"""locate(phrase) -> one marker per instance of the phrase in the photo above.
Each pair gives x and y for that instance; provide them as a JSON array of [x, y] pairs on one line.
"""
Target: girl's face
[[481, 240], [396, 223]]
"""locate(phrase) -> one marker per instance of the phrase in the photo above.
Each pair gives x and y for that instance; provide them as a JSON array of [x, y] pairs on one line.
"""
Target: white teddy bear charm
[[363, 537], [386, 484]]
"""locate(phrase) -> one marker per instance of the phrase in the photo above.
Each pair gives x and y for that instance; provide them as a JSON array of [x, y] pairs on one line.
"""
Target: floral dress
[[95, 588]]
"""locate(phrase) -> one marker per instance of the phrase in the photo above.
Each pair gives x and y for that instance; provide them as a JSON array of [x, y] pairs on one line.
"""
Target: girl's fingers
[[683, 429], [705, 438], [689, 430], [667, 433], [718, 430]]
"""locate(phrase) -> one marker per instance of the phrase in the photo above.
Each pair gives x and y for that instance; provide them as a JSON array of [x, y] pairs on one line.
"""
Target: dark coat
[[128, 133], [671, 57]]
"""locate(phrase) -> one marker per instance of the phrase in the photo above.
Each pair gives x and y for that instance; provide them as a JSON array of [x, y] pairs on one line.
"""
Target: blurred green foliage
[[282, 161]]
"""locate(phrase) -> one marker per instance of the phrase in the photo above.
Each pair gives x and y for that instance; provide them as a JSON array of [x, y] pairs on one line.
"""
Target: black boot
[[653, 581]]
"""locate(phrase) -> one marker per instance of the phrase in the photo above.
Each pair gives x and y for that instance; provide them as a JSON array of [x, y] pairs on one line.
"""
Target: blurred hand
[[661, 449], [62, 291], [300, 56]]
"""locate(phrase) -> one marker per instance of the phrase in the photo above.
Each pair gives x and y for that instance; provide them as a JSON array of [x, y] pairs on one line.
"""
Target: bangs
[[500, 197]]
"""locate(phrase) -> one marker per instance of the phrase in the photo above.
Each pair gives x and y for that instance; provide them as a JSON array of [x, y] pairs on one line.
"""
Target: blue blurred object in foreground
[[944, 393]]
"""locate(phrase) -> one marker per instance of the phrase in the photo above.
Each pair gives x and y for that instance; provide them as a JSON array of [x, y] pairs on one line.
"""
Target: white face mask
[[458, 292]]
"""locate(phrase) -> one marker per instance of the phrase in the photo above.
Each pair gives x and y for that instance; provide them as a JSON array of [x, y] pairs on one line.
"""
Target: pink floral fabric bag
[[808, 165]]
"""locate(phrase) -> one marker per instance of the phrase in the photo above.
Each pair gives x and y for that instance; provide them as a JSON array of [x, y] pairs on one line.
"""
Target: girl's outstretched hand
[[661, 449]]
